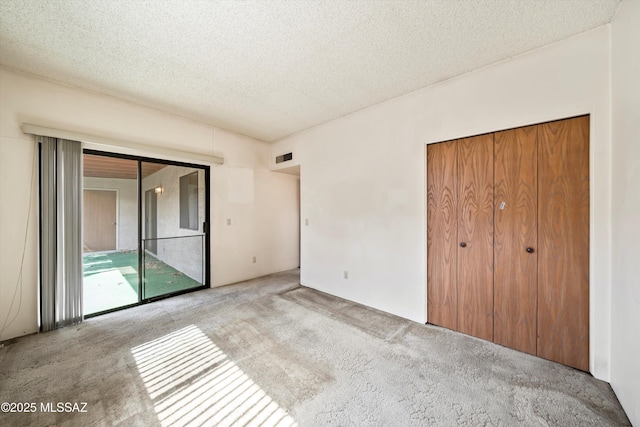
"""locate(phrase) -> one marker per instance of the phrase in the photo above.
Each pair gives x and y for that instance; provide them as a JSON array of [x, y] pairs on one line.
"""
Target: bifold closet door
[[475, 236], [563, 239], [515, 244], [442, 229]]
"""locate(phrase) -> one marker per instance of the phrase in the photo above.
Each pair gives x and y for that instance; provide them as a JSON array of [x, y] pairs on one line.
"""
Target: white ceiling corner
[[271, 68]]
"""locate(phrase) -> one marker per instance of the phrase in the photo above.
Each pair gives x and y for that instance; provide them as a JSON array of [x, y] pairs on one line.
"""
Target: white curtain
[[60, 232]]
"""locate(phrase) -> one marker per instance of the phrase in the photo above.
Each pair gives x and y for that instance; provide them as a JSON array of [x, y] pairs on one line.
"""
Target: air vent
[[284, 158]]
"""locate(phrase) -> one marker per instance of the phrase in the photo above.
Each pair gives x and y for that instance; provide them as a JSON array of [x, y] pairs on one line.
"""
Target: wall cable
[[19, 282]]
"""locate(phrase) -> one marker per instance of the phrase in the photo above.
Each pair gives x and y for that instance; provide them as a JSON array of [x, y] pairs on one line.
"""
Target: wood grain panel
[[442, 300], [99, 220], [515, 228], [114, 167], [563, 239], [475, 229]]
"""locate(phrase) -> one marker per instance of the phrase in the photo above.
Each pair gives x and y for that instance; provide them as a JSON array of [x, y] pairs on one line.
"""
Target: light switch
[[228, 221]]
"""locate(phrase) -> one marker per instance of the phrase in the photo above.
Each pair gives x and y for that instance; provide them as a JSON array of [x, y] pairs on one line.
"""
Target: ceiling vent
[[284, 158]]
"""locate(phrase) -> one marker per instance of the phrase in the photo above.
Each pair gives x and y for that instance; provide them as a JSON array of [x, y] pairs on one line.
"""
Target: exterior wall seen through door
[[184, 255]]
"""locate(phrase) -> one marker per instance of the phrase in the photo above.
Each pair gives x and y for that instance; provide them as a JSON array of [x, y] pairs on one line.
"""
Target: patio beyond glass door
[[144, 230], [174, 240]]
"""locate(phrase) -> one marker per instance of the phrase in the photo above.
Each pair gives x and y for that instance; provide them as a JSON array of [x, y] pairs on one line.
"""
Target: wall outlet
[[346, 274], [228, 221], [254, 260], [306, 221]]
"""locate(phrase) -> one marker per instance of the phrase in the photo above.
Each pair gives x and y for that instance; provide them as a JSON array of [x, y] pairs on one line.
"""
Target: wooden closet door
[[475, 236], [442, 300], [515, 240], [563, 240]]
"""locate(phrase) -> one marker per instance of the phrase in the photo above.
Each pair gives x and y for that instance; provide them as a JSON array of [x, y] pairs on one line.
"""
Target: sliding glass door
[[144, 230]]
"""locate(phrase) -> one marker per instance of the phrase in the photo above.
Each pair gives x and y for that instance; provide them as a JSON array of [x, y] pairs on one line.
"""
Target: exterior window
[[189, 201]]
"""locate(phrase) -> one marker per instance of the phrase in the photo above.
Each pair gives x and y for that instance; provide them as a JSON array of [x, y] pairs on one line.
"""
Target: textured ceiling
[[271, 68]]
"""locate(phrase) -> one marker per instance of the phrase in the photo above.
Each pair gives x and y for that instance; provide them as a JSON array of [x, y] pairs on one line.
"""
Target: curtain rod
[[76, 136]]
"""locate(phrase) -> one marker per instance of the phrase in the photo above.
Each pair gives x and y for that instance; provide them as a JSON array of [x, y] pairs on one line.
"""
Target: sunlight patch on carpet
[[192, 382]]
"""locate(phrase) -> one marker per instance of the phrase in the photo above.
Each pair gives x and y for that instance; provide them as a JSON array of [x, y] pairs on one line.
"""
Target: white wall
[[363, 176], [625, 292], [260, 220], [41, 102], [127, 208]]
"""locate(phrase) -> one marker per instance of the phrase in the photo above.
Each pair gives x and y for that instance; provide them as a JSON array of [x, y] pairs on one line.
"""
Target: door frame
[[590, 263], [140, 199]]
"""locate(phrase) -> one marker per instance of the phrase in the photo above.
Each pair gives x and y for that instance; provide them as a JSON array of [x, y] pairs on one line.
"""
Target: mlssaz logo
[[63, 407]]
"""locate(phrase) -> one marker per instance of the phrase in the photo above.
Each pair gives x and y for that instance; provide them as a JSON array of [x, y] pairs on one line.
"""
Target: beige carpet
[[269, 352]]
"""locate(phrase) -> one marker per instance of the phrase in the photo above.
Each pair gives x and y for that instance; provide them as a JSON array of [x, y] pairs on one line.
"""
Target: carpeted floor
[[269, 352]]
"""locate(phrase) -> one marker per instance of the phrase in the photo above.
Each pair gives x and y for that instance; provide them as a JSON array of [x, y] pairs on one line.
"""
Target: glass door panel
[[110, 233], [173, 218]]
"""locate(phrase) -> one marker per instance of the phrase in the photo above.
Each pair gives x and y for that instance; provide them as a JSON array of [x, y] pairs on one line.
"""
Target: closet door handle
[[463, 245], [530, 250]]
